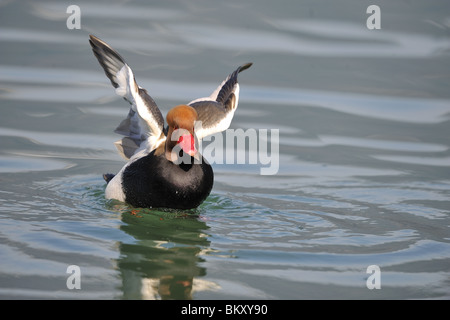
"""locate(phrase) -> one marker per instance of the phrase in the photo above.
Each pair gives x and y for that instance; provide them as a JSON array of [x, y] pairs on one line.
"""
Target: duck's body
[[165, 168], [154, 181]]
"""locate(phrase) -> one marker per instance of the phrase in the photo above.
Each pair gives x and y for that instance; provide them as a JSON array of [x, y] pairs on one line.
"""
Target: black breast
[[153, 181]]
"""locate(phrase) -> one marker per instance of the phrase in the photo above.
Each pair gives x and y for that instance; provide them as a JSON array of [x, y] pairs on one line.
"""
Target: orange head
[[181, 121]]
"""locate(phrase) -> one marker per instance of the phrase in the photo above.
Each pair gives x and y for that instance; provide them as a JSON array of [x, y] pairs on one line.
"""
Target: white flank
[[114, 187]]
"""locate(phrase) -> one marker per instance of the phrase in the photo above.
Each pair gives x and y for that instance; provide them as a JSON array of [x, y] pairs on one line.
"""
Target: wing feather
[[144, 123], [216, 111]]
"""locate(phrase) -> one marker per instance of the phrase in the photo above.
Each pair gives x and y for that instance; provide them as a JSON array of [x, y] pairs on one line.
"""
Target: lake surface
[[363, 164]]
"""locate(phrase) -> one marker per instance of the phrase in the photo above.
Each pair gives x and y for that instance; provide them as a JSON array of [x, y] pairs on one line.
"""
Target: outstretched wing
[[144, 124], [216, 111]]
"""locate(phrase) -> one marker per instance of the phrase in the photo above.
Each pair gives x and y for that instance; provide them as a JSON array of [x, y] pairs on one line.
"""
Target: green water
[[364, 151]]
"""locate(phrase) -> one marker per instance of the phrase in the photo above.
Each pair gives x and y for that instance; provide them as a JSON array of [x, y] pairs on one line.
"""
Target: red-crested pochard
[[164, 168]]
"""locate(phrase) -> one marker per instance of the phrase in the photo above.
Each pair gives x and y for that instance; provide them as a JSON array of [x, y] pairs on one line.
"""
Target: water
[[364, 153]]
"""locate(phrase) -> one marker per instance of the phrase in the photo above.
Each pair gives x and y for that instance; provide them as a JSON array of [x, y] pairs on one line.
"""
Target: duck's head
[[180, 136]]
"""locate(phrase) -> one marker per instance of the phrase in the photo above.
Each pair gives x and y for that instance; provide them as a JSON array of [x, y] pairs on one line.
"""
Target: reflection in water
[[164, 261]]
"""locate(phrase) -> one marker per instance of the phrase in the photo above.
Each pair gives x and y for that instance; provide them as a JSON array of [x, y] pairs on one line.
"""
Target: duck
[[164, 167]]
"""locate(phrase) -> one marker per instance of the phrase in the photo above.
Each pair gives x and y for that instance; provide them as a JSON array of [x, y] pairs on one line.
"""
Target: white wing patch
[[149, 129], [203, 129], [122, 80]]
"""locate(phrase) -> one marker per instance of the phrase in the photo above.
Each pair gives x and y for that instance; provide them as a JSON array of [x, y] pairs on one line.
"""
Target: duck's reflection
[[163, 261]]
